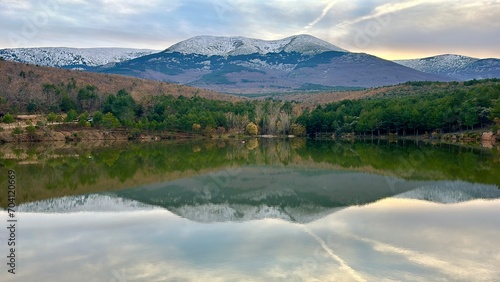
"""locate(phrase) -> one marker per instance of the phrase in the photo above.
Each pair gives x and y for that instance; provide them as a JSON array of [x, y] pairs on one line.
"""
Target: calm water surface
[[263, 210]]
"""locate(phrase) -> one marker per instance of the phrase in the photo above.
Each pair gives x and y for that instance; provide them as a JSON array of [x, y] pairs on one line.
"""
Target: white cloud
[[435, 25]]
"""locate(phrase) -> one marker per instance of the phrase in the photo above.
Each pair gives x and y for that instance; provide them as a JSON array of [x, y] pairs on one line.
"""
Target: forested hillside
[[421, 107], [29, 88]]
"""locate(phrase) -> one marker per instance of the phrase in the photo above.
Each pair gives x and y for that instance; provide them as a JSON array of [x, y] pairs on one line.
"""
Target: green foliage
[[8, 118], [496, 127], [32, 107], [98, 117], [52, 117], [31, 131], [67, 104], [71, 84], [297, 130], [287, 107], [72, 115], [468, 114], [87, 97], [196, 127], [83, 119], [18, 130], [110, 121], [495, 112], [446, 109], [252, 129], [171, 113], [122, 106]]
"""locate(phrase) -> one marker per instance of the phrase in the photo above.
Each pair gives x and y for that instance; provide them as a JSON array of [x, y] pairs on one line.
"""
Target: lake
[[262, 210]]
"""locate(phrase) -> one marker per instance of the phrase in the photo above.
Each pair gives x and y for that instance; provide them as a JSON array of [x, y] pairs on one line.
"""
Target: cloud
[[402, 28], [419, 27], [399, 238], [418, 31]]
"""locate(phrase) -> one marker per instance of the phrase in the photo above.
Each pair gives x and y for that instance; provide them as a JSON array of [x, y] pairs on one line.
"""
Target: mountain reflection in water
[[281, 231], [275, 212]]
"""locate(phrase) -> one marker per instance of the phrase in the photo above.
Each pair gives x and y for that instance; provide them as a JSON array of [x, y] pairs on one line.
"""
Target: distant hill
[[21, 84], [452, 192], [456, 66], [404, 89], [72, 58]]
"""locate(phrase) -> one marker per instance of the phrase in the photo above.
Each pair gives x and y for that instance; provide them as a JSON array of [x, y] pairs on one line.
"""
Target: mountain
[[272, 194], [233, 46], [72, 57], [250, 193], [83, 203], [244, 65], [452, 192], [456, 66]]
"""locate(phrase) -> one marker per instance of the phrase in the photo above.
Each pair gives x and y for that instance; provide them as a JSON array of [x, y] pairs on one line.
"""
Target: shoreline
[[74, 133], [90, 134]]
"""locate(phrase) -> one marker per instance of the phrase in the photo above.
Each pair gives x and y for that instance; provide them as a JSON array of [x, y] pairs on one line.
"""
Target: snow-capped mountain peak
[[452, 192], [72, 57], [84, 203], [456, 66], [232, 46], [439, 64]]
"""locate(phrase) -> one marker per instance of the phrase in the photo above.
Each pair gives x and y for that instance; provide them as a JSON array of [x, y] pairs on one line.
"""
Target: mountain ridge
[[238, 45], [78, 58], [241, 65], [259, 205], [235, 69], [456, 66]]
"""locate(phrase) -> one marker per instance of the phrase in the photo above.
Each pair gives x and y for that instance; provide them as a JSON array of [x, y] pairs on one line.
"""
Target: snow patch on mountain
[[452, 192], [64, 57], [261, 64], [85, 203], [442, 64], [210, 213], [233, 46]]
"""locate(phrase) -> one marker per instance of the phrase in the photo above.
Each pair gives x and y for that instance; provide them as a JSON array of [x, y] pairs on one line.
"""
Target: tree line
[[91, 108], [442, 109], [474, 105]]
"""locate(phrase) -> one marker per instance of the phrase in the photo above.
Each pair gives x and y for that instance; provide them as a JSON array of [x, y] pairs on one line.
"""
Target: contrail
[[323, 14], [445, 267], [342, 263], [383, 10]]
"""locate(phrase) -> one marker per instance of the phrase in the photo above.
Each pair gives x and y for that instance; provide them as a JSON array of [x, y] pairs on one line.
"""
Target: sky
[[389, 29]]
